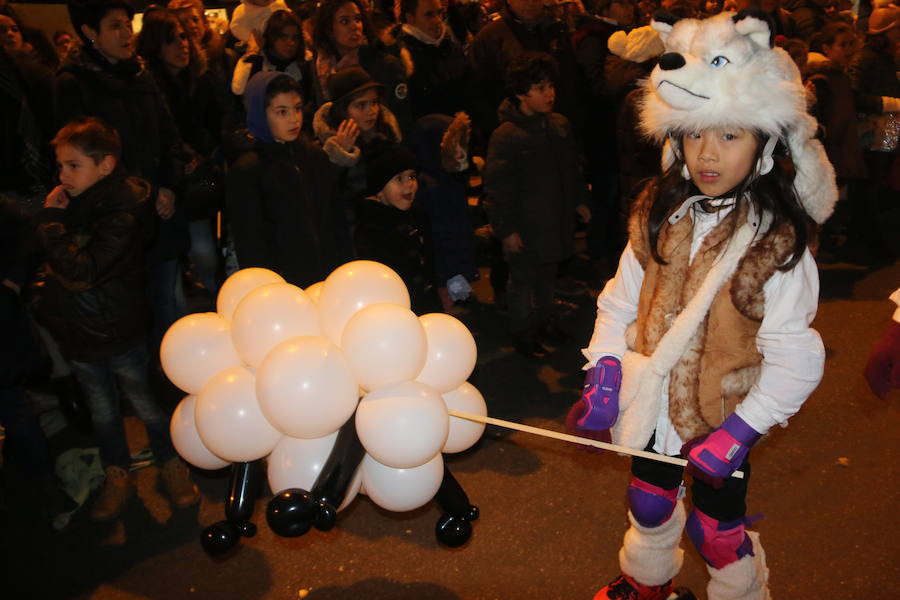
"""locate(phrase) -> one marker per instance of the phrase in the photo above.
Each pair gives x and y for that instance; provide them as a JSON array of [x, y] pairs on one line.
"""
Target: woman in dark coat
[[343, 36]]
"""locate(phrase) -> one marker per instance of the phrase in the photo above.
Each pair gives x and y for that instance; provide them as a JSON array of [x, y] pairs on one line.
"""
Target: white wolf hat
[[724, 71]]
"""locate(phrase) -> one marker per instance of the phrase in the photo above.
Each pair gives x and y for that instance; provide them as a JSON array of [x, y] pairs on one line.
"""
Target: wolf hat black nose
[[671, 61]]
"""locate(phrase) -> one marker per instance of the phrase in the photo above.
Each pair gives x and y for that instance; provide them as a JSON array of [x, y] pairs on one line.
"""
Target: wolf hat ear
[[756, 25], [662, 22]]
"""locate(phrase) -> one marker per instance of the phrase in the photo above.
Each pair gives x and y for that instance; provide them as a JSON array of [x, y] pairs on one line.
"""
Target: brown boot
[[116, 491], [177, 482]]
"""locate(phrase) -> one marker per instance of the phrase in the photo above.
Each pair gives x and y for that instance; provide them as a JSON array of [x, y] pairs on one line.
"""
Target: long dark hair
[[275, 26], [772, 193], [323, 25], [159, 27], [338, 112]]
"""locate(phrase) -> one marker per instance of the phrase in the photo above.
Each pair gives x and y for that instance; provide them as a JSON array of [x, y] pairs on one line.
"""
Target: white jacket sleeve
[[793, 353], [240, 76], [616, 309]]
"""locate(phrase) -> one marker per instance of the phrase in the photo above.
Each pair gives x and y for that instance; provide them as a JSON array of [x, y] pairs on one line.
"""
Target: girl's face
[[286, 43], [115, 38], [348, 28], [719, 159], [400, 191], [842, 50], [285, 116], [176, 54], [365, 109], [194, 23]]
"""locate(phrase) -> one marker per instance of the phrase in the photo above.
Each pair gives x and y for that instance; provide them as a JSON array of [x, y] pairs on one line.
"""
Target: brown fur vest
[[721, 362]]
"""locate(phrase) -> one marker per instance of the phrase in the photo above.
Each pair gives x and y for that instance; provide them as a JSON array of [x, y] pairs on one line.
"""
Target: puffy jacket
[[89, 292], [533, 182]]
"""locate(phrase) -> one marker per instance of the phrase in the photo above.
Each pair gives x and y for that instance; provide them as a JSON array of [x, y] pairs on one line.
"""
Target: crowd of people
[[140, 168]]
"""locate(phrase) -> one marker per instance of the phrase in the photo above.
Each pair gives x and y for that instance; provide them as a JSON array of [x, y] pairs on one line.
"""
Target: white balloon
[[464, 433], [384, 344], [354, 489], [451, 353], [306, 387], [314, 290], [354, 286], [296, 462], [239, 285], [195, 348], [400, 490], [402, 425], [229, 420], [186, 440], [269, 315]]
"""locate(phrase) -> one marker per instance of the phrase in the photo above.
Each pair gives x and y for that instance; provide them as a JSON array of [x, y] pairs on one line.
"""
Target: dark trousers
[[725, 504], [529, 294], [101, 381], [24, 433]]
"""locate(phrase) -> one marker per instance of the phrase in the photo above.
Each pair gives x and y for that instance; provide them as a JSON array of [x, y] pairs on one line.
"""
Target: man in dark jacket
[[533, 189], [523, 27], [90, 296], [281, 191], [438, 79]]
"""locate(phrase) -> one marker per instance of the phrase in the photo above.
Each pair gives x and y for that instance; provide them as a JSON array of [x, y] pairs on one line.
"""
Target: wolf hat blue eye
[[719, 61]]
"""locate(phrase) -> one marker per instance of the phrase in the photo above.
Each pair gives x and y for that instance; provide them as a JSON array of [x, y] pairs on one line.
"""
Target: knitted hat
[[384, 161], [725, 71], [349, 81]]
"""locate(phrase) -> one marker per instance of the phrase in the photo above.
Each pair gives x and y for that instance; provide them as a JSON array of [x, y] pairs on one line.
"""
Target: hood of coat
[[255, 104], [509, 111], [81, 59], [323, 129]]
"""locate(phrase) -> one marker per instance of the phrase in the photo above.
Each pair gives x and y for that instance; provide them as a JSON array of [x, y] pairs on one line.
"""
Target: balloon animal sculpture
[[340, 387]]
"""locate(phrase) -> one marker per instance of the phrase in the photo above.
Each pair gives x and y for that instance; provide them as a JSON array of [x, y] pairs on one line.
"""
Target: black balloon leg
[[337, 473], [454, 527], [246, 480]]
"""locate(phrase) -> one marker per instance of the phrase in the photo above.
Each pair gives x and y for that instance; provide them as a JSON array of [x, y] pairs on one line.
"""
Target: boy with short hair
[[533, 190], [90, 295]]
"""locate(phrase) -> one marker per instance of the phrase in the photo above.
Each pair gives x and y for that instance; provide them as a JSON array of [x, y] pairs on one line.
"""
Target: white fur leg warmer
[[651, 554], [745, 579]]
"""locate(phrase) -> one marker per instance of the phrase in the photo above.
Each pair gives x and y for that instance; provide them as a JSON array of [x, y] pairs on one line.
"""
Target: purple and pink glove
[[883, 369], [714, 457], [598, 408]]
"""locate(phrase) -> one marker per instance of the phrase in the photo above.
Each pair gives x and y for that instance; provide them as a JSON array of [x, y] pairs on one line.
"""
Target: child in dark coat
[[388, 231], [90, 296], [533, 189]]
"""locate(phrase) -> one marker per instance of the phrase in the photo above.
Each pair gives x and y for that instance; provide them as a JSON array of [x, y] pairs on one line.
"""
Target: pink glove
[[883, 369], [715, 457]]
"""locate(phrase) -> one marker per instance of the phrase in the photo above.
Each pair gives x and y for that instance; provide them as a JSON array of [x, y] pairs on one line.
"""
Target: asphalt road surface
[[552, 516]]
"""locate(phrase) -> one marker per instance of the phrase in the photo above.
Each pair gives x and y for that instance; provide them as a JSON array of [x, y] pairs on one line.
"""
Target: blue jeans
[[99, 381]]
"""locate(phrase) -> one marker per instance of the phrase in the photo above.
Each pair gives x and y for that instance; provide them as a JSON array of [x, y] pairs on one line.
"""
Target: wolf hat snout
[[724, 72]]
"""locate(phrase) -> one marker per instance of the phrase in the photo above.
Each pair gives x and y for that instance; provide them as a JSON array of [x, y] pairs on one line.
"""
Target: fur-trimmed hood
[[390, 129]]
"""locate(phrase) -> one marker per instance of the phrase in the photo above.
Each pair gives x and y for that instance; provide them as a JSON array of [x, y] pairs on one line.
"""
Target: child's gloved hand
[[883, 369], [600, 396], [713, 458], [601, 436]]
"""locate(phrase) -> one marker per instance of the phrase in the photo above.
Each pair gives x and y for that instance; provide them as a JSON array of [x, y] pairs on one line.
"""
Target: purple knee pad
[[651, 505], [720, 543]]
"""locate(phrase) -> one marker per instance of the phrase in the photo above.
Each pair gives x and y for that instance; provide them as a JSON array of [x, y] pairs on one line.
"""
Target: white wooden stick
[[574, 439]]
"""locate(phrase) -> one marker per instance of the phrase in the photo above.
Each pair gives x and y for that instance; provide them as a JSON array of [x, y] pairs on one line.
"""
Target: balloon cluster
[[340, 386]]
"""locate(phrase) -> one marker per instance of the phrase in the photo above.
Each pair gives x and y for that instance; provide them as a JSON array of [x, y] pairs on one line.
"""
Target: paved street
[[552, 516]]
